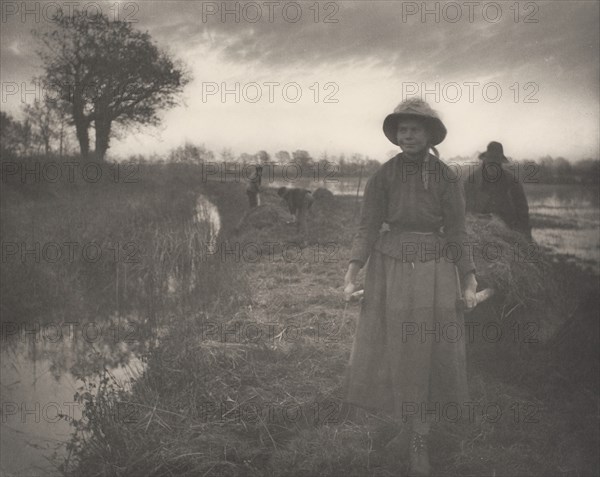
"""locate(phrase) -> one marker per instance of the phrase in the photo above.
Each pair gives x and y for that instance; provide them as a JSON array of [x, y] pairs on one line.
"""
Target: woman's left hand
[[470, 291]]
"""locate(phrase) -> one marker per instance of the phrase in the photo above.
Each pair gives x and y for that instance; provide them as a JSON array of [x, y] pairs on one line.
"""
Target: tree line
[[100, 73], [546, 169], [48, 131], [45, 132]]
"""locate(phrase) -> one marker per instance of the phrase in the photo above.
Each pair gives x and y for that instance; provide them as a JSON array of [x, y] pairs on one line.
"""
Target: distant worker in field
[[492, 188], [299, 202], [253, 187]]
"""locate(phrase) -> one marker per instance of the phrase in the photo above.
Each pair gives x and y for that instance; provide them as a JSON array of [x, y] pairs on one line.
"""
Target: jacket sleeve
[[371, 217], [521, 209], [469, 186], [453, 209]]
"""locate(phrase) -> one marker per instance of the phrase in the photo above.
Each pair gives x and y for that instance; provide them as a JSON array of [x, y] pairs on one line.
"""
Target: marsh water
[[41, 370], [566, 219], [43, 365], [39, 378]]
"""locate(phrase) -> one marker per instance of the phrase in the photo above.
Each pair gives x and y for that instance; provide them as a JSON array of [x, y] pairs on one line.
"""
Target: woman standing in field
[[400, 361]]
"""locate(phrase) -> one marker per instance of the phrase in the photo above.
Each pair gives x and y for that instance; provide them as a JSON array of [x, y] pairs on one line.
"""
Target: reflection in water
[[206, 226], [39, 376], [43, 365], [563, 195], [569, 220], [572, 231], [207, 216], [346, 186]]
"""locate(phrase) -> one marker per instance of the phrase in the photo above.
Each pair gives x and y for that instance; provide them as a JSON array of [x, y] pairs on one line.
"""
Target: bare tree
[[246, 158], [107, 72], [302, 158], [191, 153], [227, 155], [262, 157], [64, 127], [43, 121], [9, 141], [23, 137], [283, 157]]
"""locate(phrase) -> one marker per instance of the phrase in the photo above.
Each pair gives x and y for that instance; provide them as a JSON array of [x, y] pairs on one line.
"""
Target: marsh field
[[152, 326]]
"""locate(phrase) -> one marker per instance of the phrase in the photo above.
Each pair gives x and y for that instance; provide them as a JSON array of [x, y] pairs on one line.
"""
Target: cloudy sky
[[322, 76]]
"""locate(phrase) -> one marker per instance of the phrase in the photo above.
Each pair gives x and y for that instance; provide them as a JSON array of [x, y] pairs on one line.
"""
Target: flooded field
[[566, 219]]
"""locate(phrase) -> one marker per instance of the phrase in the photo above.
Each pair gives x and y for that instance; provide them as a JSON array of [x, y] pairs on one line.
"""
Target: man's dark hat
[[494, 152]]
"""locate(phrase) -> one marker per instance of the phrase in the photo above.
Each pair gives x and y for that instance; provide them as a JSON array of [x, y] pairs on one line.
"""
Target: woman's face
[[412, 136]]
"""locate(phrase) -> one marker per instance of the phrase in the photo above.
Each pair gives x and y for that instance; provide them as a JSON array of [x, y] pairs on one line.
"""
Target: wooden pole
[[358, 190]]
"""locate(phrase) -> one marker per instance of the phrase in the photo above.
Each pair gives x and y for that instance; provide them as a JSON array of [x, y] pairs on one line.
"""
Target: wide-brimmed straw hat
[[415, 108], [494, 152]]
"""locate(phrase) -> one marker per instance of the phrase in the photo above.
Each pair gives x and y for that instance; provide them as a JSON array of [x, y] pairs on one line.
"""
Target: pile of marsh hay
[[516, 268], [547, 308], [323, 195], [326, 221], [534, 295], [265, 215]]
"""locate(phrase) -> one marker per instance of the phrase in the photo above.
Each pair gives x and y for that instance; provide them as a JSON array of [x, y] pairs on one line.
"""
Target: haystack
[[323, 195], [263, 216], [528, 289], [261, 223], [271, 222]]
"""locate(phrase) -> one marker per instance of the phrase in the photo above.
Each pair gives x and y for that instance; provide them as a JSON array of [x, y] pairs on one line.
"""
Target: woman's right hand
[[350, 280]]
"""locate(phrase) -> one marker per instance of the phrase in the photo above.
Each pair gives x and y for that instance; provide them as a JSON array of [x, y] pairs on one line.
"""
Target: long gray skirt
[[409, 348]]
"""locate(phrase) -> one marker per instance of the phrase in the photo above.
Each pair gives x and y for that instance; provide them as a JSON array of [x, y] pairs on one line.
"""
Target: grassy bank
[[99, 242], [254, 385]]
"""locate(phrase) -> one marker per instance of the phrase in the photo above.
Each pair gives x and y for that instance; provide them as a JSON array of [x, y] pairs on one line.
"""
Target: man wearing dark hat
[[494, 189]]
